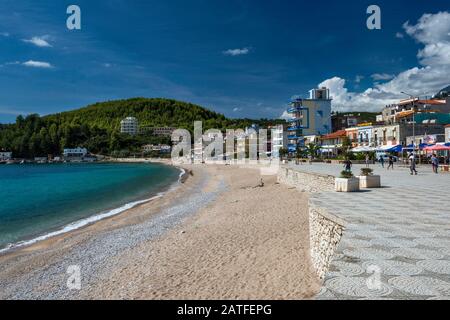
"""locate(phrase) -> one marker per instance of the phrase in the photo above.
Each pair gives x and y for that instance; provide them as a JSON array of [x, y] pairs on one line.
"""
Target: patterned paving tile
[[397, 238]]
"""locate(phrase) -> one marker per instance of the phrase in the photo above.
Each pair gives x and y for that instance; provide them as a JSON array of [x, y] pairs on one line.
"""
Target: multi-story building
[[352, 135], [159, 131], [76, 153], [393, 113], [160, 148], [397, 134], [129, 126], [279, 139], [331, 144], [309, 117], [428, 139], [364, 135], [341, 121], [423, 117]]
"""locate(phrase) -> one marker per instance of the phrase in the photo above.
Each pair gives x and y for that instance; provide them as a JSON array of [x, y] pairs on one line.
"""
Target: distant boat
[[22, 162]]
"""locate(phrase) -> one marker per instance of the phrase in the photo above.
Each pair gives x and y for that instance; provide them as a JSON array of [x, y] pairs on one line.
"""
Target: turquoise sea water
[[37, 199]]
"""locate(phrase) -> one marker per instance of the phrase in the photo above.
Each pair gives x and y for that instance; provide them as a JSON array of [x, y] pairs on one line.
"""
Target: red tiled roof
[[334, 135], [432, 102]]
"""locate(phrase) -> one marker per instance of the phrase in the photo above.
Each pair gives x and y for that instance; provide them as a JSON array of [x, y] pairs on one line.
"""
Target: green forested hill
[[149, 112], [97, 127]]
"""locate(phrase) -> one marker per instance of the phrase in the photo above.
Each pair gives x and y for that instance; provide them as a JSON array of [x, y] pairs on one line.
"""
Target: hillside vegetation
[[97, 127]]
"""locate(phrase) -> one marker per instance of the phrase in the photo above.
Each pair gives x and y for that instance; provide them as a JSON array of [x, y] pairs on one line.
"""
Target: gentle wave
[[87, 221]]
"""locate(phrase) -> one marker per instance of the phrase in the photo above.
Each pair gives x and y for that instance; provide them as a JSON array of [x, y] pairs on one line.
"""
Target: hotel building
[[129, 126], [309, 117]]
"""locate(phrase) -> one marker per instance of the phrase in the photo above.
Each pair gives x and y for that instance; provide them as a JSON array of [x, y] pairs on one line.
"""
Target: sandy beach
[[218, 235]]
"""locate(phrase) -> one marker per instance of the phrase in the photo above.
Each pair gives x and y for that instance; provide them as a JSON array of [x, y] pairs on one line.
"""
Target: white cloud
[[431, 28], [38, 41], [37, 64], [285, 116], [399, 35], [432, 31], [4, 34], [237, 109], [236, 52], [382, 76]]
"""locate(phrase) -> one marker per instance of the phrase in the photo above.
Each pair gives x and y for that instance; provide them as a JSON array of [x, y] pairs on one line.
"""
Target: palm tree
[[312, 149]]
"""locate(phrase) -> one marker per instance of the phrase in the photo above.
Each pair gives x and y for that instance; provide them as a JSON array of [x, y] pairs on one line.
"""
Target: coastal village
[[313, 131]]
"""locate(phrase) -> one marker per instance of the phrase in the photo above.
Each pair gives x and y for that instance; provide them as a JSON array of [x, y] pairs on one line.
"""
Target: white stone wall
[[326, 232], [325, 229], [306, 182]]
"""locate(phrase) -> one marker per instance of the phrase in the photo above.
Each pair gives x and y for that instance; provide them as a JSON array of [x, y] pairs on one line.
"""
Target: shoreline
[[103, 215], [219, 235]]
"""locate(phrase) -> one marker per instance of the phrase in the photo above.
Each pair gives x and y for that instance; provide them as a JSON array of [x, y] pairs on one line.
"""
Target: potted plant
[[368, 180], [347, 182]]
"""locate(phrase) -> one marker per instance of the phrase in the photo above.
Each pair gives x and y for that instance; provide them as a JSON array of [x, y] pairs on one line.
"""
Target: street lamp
[[414, 119]]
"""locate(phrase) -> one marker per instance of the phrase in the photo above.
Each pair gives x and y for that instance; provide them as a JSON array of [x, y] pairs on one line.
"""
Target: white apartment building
[[279, 139], [365, 137], [75, 153], [129, 126]]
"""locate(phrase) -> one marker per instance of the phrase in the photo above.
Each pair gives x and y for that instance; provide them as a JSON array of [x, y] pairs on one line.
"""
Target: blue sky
[[242, 58]]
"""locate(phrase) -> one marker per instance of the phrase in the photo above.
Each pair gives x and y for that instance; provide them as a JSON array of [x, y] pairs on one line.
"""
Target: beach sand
[[216, 236]]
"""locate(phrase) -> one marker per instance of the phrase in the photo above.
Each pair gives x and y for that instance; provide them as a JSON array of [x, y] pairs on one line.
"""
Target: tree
[[312, 149], [346, 146], [283, 152]]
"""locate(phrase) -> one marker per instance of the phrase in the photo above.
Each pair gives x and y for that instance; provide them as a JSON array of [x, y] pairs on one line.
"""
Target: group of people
[[390, 162], [412, 163]]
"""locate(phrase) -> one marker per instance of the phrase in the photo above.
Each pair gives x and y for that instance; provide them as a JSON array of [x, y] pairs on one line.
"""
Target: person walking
[[435, 163], [412, 163], [382, 161], [367, 160], [348, 165], [391, 163]]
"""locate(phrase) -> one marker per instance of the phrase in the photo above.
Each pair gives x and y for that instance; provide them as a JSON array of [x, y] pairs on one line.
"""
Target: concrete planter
[[347, 185], [366, 182]]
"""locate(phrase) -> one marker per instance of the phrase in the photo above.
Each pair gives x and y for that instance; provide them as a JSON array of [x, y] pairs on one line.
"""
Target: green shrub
[[346, 175], [366, 172]]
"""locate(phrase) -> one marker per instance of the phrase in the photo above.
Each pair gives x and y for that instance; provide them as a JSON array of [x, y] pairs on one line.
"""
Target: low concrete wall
[[325, 229], [305, 181]]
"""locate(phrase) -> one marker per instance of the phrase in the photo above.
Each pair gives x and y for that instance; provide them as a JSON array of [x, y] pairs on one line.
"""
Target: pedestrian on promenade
[[382, 161], [348, 165], [412, 163], [391, 163], [367, 160], [435, 163]]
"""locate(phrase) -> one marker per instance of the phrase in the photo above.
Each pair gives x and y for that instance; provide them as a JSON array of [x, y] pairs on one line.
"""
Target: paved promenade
[[397, 239]]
